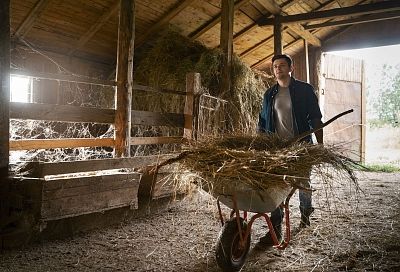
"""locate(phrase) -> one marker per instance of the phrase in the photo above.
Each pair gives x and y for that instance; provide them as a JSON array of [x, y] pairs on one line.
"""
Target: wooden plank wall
[[300, 66], [28, 62]]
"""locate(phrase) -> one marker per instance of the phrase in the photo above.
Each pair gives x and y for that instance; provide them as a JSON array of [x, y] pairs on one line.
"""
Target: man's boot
[[305, 216], [267, 239], [276, 220]]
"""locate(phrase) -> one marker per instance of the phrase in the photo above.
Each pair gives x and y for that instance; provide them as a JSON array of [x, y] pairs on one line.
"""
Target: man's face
[[281, 69]]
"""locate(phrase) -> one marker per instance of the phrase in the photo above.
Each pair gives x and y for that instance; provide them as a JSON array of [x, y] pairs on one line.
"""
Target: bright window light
[[21, 89]]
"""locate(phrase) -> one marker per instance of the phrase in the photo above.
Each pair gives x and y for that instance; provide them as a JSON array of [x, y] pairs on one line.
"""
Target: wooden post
[[306, 60], [124, 77], [193, 84], [277, 35], [4, 86], [226, 43]]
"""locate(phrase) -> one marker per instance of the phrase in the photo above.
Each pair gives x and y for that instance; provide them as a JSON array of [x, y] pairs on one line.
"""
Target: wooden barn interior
[[92, 46]]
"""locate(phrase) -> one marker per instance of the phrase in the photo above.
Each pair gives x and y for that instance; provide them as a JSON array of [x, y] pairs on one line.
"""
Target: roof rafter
[[305, 34], [28, 22], [259, 45], [295, 42], [94, 28], [383, 6], [254, 25], [284, 30], [359, 20], [210, 24], [165, 19], [244, 31], [275, 9]]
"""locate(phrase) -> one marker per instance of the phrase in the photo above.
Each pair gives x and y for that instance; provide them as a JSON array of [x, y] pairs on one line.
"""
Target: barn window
[[21, 89]]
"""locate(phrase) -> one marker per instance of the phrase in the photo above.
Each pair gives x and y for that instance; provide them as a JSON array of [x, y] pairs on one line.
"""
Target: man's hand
[[319, 134]]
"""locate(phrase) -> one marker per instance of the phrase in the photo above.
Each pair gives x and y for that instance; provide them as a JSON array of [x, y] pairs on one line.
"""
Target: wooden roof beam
[[214, 21], [275, 9], [254, 25], [379, 7], [94, 28], [305, 34], [244, 31], [28, 22], [181, 5], [296, 42], [285, 29], [293, 43], [359, 20], [259, 45]]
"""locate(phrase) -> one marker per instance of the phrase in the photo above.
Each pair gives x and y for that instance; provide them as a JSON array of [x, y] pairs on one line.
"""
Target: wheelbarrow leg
[[239, 224], [286, 240], [221, 218], [287, 221]]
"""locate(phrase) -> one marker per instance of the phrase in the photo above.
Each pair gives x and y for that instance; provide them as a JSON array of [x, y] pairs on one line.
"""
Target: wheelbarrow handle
[[304, 134]]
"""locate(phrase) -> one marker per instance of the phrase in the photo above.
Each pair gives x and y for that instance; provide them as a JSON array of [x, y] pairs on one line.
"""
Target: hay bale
[[166, 63]]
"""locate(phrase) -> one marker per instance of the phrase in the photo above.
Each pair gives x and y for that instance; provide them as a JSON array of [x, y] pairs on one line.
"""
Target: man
[[290, 107]]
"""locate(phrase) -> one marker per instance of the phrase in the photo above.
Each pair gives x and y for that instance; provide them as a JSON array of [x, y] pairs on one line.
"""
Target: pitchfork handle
[[304, 134]]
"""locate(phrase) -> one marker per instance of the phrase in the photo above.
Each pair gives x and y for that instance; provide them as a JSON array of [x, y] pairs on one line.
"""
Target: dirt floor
[[350, 232]]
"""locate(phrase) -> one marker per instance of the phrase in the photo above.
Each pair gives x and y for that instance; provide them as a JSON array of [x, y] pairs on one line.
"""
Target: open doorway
[[20, 89], [382, 90]]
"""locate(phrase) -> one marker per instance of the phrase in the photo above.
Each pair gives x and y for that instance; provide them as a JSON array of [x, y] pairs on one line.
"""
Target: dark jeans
[[305, 198]]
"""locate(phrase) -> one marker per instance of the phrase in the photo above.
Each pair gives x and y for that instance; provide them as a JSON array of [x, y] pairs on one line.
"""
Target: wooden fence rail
[[42, 169], [68, 113]]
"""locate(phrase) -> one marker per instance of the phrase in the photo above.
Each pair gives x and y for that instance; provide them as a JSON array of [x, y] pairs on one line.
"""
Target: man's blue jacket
[[305, 108]]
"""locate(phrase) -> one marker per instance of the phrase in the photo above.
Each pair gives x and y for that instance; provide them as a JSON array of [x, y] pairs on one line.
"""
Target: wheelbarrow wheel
[[230, 254]]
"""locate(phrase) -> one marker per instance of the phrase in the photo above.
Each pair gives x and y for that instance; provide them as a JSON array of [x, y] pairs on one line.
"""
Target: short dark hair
[[283, 56]]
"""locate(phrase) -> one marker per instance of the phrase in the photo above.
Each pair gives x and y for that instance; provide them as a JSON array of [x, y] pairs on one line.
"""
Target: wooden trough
[[69, 189]]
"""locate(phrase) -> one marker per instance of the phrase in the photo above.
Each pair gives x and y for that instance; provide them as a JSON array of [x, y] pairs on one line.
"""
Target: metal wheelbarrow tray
[[250, 199]]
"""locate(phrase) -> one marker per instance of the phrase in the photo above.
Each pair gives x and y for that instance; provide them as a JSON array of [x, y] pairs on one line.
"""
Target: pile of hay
[[165, 63], [261, 160]]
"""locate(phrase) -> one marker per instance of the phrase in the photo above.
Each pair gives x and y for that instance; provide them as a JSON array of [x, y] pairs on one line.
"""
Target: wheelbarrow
[[234, 239]]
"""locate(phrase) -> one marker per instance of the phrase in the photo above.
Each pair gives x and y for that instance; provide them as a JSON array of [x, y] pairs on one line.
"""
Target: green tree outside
[[386, 102]]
